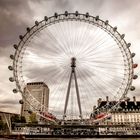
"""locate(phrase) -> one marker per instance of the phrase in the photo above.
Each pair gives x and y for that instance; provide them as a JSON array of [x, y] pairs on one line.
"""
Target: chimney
[[99, 101], [94, 107], [126, 100], [107, 99], [134, 100], [126, 103]]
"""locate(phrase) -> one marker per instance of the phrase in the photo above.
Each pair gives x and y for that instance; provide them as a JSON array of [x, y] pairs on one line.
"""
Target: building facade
[[39, 91], [125, 118]]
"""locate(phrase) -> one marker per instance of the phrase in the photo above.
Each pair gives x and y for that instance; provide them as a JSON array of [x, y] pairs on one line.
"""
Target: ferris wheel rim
[[112, 31]]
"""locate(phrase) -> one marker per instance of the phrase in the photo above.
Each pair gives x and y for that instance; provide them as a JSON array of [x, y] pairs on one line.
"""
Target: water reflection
[[87, 139]]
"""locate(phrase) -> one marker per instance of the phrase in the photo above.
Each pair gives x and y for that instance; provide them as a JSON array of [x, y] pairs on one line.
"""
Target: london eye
[[80, 57]]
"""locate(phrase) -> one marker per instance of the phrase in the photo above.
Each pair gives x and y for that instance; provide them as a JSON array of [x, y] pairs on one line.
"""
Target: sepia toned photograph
[[69, 69]]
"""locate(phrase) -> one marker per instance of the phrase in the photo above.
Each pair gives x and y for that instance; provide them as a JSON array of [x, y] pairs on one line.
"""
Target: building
[[5, 119], [40, 92], [125, 118]]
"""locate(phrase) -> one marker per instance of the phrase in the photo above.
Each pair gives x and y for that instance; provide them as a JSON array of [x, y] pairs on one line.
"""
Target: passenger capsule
[[21, 101], [36, 23], [122, 36], [30, 111], [55, 15], [106, 22], [87, 15], [28, 29], [115, 29], [132, 88], [66, 13], [97, 18], [12, 56], [15, 90], [11, 79], [10, 67], [128, 45], [20, 37], [133, 54], [15, 46], [76, 13], [135, 76], [46, 18], [134, 65]]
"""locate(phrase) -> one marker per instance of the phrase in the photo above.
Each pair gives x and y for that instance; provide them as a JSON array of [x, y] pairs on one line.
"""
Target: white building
[[40, 91], [125, 118]]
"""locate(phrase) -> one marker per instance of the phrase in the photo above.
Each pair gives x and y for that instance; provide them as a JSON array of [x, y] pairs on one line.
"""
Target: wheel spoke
[[103, 63]]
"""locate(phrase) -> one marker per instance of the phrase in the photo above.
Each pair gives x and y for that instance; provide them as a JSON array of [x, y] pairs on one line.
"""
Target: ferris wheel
[[80, 57]]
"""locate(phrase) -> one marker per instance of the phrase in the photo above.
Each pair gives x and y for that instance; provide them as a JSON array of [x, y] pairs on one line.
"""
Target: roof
[[37, 83], [9, 113], [123, 106]]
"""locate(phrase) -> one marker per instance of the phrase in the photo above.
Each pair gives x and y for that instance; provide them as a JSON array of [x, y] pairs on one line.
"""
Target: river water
[[87, 139], [79, 139]]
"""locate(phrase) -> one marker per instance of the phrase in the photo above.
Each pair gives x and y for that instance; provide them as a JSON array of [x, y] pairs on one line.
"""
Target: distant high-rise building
[[40, 91]]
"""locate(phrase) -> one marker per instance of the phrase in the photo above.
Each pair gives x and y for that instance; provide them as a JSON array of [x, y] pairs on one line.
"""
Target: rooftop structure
[[125, 115]]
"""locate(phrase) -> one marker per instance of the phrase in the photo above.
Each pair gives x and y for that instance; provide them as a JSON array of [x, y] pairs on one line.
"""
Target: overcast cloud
[[16, 15]]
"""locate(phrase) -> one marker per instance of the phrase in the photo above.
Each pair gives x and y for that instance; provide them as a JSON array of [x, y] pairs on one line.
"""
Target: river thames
[[87, 139], [77, 139]]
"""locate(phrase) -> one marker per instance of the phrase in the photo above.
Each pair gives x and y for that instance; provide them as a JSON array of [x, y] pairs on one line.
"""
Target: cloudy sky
[[16, 15]]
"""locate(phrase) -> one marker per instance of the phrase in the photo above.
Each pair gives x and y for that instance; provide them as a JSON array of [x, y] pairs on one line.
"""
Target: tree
[[18, 119], [22, 119], [15, 119], [1, 124], [33, 118]]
